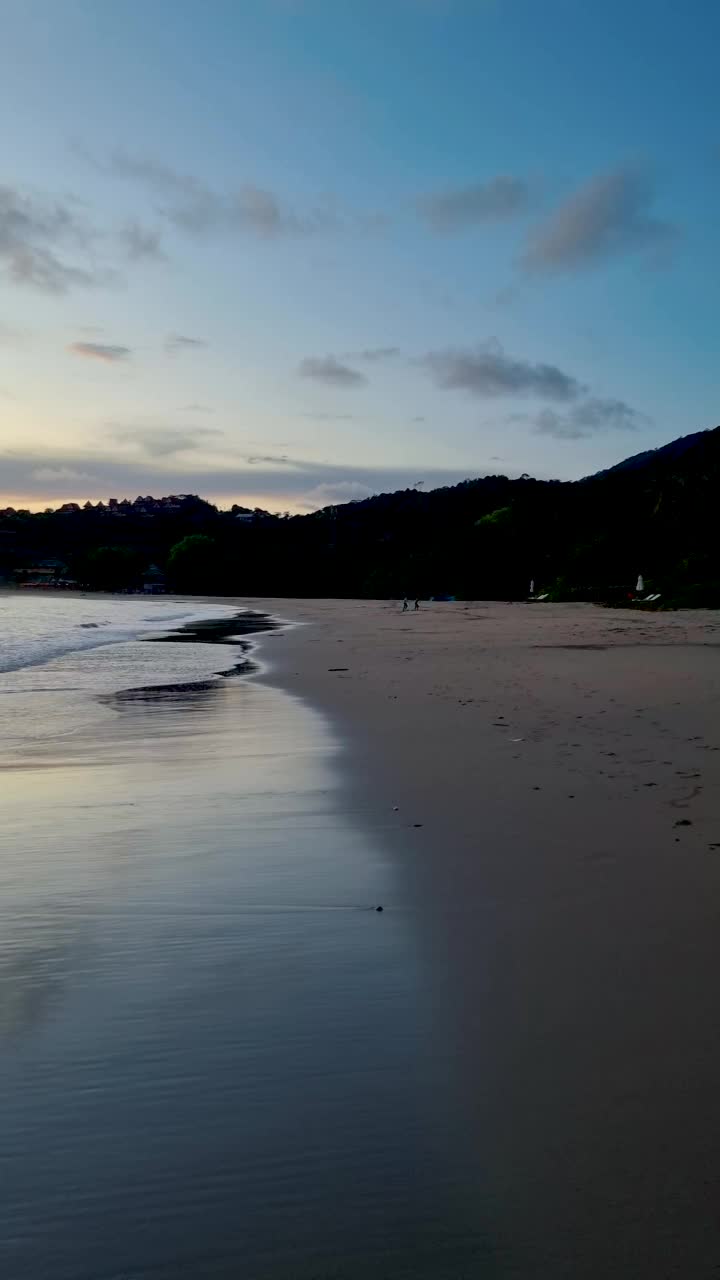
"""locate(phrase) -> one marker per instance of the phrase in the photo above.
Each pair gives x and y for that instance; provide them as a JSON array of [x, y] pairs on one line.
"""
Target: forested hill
[[667, 452], [656, 514]]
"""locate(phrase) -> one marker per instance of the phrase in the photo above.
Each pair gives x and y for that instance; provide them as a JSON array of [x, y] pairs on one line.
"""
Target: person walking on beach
[[405, 605], [417, 606]]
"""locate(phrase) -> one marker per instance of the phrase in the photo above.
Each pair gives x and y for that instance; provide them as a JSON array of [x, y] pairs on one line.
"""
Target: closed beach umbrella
[[640, 584]]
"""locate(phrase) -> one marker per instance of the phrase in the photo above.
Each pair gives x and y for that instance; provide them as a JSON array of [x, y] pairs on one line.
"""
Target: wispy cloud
[[100, 351], [180, 342], [194, 207], [488, 372], [332, 371], [142, 243], [34, 232], [196, 408], [262, 213], [591, 417], [459, 208], [611, 215], [164, 442], [63, 475]]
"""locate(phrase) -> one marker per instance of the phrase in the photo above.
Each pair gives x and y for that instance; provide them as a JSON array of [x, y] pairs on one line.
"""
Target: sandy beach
[[219, 1059], [548, 779], [216, 1057]]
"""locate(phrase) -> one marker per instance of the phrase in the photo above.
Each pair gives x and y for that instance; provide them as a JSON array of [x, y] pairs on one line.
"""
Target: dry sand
[[546, 778]]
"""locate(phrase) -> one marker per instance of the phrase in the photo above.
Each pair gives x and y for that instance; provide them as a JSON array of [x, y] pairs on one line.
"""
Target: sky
[[289, 253]]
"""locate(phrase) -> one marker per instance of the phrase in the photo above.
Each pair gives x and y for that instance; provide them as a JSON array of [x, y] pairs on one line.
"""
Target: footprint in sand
[[683, 801]]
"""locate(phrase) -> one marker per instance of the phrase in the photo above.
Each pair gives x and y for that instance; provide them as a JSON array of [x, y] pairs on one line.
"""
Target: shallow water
[[214, 1059]]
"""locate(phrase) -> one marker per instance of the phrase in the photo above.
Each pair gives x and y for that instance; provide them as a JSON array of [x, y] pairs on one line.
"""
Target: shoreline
[[548, 784], [232, 632], [209, 1036], [533, 798]]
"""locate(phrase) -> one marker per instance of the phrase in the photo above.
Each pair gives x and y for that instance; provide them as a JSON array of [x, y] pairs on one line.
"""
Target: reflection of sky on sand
[[36, 958], [212, 1040]]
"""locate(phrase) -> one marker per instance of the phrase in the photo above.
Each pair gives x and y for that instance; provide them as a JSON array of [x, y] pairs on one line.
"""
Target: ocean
[[215, 1059]]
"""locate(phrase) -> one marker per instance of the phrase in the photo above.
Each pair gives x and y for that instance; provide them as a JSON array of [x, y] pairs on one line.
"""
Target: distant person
[[417, 606], [405, 605]]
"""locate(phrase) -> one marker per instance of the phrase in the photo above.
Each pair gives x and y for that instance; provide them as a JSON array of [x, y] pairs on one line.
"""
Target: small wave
[[31, 646], [189, 614]]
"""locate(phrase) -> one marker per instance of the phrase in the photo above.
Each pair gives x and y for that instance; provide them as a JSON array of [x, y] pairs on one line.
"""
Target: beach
[[215, 1057], [548, 777], [219, 1058]]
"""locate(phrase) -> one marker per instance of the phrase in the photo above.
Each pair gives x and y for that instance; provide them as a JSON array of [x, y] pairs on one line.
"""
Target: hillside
[[656, 513], [671, 451]]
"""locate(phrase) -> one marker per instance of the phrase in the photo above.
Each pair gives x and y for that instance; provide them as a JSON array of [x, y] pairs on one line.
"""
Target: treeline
[[483, 539]]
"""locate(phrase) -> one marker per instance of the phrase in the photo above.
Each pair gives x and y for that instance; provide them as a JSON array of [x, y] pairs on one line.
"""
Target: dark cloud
[[418, 418], [486, 371], [142, 243], [184, 200], [610, 415], [163, 442], [36, 236], [179, 342], [260, 212], [99, 351], [462, 207], [330, 370], [553, 424], [610, 215], [591, 417], [41, 269], [198, 209]]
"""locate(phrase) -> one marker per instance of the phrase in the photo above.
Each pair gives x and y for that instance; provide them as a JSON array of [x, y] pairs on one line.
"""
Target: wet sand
[[218, 1059], [214, 1055], [548, 780]]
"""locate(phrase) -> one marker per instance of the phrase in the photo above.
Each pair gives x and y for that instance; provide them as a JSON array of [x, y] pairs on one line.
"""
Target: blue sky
[[288, 252]]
